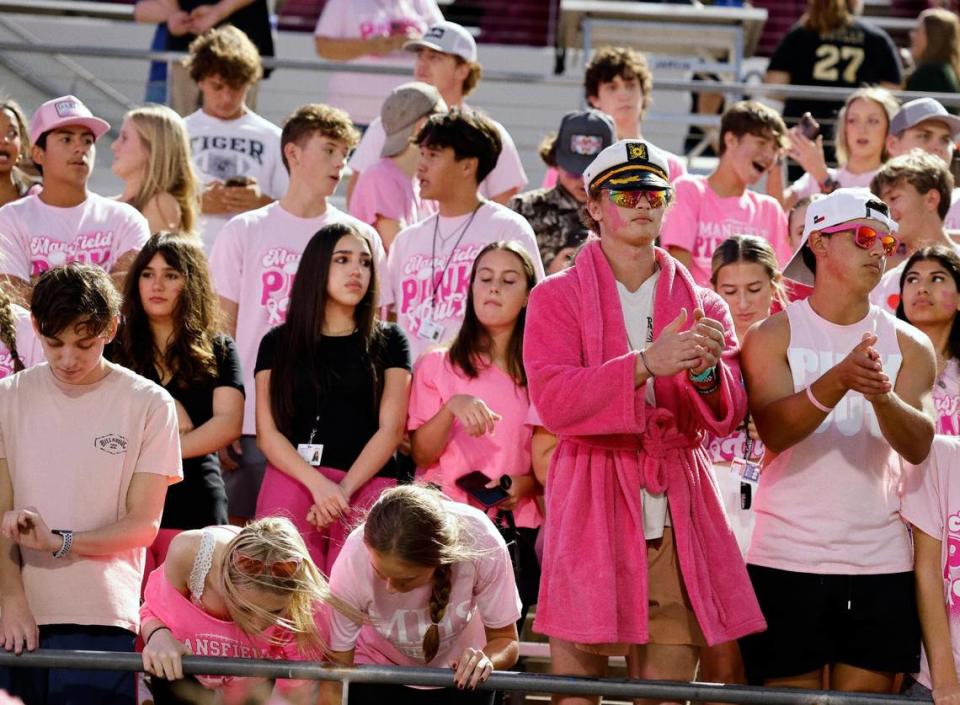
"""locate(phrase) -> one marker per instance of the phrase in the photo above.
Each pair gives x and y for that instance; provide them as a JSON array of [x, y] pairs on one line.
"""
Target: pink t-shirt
[[931, 502], [483, 593], [675, 168], [28, 345], [361, 94], [384, 191], [830, 503], [699, 220], [428, 269], [805, 186], [206, 635], [946, 399], [507, 174], [506, 451], [254, 262], [722, 452], [952, 221], [35, 237], [72, 452]]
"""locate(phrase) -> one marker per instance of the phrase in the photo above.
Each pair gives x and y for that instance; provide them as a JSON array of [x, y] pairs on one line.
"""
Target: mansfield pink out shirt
[[206, 635], [506, 451], [35, 237], [699, 220], [254, 262], [830, 503], [931, 502], [507, 174], [428, 269], [483, 593]]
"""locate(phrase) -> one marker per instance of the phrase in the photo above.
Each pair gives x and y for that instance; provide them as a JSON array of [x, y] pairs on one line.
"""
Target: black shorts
[[865, 621]]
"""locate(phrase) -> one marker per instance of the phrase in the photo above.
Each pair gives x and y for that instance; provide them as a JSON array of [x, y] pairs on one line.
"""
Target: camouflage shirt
[[554, 215]]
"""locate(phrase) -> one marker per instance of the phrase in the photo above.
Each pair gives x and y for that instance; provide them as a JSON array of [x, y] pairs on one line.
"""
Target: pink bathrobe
[[611, 443]]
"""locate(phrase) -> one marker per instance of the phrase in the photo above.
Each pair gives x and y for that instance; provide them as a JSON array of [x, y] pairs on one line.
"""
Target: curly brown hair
[[225, 52], [609, 62]]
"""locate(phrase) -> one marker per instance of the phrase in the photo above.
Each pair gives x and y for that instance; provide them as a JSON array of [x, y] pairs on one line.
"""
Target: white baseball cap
[[841, 206], [449, 38], [628, 165]]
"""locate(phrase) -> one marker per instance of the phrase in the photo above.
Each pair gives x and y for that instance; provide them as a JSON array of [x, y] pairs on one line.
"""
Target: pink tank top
[[830, 504]]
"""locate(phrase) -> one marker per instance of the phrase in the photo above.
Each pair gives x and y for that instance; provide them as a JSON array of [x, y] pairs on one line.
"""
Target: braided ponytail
[[413, 524], [438, 607], [8, 330]]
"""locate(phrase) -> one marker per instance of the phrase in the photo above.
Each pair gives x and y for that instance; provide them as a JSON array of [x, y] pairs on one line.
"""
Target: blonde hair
[[268, 542], [169, 168], [410, 523], [753, 250], [880, 96]]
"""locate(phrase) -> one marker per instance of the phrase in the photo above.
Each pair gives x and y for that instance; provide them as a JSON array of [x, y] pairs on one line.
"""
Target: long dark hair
[[473, 340], [950, 261], [190, 357], [302, 337]]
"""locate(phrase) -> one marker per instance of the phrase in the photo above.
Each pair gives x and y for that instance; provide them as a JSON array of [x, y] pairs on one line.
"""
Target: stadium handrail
[[754, 89], [622, 689]]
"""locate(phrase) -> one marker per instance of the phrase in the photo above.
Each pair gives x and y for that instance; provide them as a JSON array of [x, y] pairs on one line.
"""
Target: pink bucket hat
[[61, 112]]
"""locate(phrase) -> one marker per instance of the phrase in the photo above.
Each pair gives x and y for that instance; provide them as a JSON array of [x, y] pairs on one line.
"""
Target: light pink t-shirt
[[886, 294], [806, 186], [722, 452], [254, 262], [830, 503], [247, 146], [507, 174], [72, 452], [206, 635], [483, 593], [952, 221], [506, 451], [361, 94], [931, 502], [28, 345], [384, 191], [699, 220], [428, 269], [35, 237], [676, 168], [946, 399]]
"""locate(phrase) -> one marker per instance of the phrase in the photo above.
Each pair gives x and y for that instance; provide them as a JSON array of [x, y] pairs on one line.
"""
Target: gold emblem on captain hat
[[637, 150]]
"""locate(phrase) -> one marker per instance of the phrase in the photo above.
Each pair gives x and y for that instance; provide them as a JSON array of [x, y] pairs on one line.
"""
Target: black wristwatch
[[829, 185]]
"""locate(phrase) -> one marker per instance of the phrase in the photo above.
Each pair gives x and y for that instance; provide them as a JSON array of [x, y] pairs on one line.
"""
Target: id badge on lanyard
[[748, 470], [312, 452]]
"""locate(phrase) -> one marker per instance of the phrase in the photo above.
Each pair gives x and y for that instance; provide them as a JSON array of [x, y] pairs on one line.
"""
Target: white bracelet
[[813, 400]]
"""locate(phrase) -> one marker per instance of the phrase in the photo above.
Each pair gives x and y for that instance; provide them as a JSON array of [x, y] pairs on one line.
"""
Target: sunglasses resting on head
[[866, 237]]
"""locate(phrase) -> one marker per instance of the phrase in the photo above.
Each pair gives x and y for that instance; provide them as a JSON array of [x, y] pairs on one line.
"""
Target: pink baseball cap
[[61, 112]]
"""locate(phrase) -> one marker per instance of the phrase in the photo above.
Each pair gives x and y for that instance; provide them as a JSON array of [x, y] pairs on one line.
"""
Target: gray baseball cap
[[446, 37], [400, 111], [582, 136], [913, 112]]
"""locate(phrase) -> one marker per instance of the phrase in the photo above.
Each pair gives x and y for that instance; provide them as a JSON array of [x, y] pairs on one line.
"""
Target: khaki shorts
[[671, 618]]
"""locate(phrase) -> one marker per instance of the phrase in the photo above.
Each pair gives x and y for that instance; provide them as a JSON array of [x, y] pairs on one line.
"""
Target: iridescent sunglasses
[[631, 199], [866, 237]]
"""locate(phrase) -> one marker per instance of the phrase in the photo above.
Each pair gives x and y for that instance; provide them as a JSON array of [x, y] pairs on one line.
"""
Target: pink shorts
[[281, 495]]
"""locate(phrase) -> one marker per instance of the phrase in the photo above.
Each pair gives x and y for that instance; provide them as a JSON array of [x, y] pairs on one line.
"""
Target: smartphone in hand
[[474, 484]]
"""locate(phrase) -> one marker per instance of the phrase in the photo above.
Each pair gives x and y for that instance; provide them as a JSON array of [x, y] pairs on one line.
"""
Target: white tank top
[[830, 504]]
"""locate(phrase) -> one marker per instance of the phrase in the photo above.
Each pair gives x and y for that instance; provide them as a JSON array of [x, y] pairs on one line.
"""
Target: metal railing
[[620, 689]]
